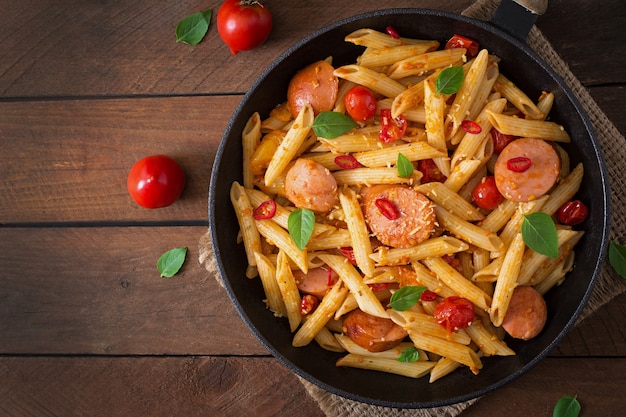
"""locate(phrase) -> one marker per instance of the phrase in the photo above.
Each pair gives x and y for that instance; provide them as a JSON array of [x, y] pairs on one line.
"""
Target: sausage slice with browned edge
[[315, 84], [310, 185], [376, 334], [317, 281], [398, 215], [526, 169], [526, 315]]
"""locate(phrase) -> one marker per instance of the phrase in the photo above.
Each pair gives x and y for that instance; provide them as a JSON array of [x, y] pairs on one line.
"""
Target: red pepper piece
[[387, 208], [391, 31], [518, 164], [346, 162], [471, 126], [266, 210], [428, 296]]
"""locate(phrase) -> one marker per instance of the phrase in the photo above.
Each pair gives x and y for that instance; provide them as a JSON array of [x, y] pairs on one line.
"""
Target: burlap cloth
[[609, 284]]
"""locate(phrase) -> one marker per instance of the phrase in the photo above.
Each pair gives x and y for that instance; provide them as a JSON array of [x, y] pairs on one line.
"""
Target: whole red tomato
[[360, 103], [486, 195], [454, 313], [243, 24], [155, 181]]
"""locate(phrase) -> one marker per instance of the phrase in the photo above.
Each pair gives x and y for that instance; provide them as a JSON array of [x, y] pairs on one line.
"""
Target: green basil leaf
[[405, 167], [449, 80], [171, 261], [300, 224], [539, 234], [567, 406], [410, 354], [192, 29], [617, 258], [330, 124], [406, 297]]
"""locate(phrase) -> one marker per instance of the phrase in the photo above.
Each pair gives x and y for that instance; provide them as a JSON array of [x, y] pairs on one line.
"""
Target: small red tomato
[[360, 103], [459, 41], [454, 313], [486, 195], [308, 304], [155, 181], [430, 172], [500, 140], [243, 24], [572, 213]]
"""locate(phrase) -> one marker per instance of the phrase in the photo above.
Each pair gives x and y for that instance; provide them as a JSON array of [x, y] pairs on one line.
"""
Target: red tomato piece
[[454, 313], [460, 41], [346, 162], [387, 208], [155, 181], [266, 210], [486, 195], [243, 24], [500, 140], [391, 128], [360, 103], [430, 172], [428, 296], [572, 213]]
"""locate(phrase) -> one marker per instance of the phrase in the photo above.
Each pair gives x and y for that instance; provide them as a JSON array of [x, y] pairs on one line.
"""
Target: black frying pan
[[565, 302]]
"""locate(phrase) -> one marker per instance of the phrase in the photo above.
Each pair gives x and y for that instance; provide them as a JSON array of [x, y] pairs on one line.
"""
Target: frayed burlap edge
[[608, 286]]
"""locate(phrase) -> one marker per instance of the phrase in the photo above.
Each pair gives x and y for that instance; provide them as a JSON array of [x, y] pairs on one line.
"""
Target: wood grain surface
[[87, 326]]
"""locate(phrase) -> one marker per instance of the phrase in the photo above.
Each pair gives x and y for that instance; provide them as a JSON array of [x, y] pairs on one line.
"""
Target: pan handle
[[517, 17]]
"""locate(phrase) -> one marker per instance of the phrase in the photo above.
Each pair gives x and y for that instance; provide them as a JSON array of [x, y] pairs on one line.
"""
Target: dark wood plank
[[155, 386], [120, 48], [97, 291], [579, 30], [69, 160], [151, 386], [612, 101], [594, 382]]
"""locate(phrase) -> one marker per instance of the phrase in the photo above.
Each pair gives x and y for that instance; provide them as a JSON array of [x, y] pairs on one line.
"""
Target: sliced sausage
[[317, 281], [526, 315], [415, 221], [519, 184], [310, 185], [375, 334], [315, 84]]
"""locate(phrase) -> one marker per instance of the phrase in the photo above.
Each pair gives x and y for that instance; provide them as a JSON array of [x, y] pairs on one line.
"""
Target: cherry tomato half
[[155, 181], [243, 24], [430, 172], [360, 103], [500, 140], [454, 313], [486, 195], [572, 213], [459, 41]]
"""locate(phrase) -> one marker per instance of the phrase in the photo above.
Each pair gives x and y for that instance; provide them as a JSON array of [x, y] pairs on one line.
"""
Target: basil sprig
[[405, 167], [410, 354], [406, 297], [192, 29], [330, 124], [171, 261], [300, 224], [567, 406], [617, 258], [449, 80], [539, 234]]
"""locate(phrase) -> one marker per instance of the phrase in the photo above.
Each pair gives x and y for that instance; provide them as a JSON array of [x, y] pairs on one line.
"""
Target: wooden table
[[87, 326]]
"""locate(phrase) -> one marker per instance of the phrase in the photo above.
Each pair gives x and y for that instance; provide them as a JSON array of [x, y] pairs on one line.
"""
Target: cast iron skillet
[[312, 363]]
